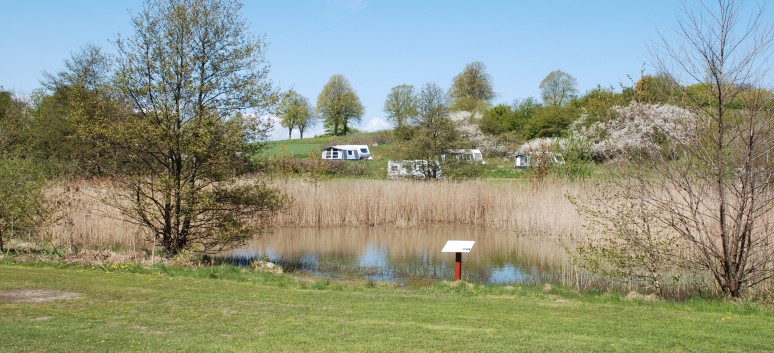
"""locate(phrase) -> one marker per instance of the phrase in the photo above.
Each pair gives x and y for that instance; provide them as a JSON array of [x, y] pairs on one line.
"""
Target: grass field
[[383, 148], [306, 147], [223, 309]]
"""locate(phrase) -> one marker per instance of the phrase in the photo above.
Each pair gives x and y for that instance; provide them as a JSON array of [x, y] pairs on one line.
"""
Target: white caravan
[[346, 152]]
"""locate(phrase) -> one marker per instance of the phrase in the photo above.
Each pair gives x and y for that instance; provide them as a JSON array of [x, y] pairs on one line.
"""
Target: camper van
[[473, 155], [533, 160], [346, 152], [413, 169]]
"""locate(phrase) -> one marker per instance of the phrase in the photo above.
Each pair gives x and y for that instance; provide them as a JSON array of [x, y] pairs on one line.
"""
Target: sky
[[377, 44]]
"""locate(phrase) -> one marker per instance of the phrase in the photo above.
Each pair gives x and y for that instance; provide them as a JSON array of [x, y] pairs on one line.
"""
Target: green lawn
[[226, 310], [306, 147]]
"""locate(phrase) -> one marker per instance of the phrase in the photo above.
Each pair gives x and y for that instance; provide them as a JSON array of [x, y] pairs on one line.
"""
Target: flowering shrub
[[540, 145], [637, 128], [467, 126]]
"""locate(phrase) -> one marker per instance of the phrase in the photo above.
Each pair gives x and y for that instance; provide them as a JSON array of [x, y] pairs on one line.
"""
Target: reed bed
[[506, 205], [82, 220], [404, 210]]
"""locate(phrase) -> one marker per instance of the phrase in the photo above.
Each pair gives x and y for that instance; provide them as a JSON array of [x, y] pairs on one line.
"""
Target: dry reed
[[513, 205], [84, 220]]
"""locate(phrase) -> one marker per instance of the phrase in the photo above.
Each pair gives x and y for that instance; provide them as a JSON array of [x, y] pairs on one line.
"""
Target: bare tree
[[700, 201], [717, 188]]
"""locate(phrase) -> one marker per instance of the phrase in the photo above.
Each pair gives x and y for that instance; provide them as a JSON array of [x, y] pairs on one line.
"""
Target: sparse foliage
[[720, 196], [471, 89], [629, 243], [709, 184], [401, 105], [295, 112], [190, 70], [558, 88], [435, 130]]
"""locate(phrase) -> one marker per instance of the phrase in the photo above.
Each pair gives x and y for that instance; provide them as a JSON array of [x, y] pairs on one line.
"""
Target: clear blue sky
[[377, 44]]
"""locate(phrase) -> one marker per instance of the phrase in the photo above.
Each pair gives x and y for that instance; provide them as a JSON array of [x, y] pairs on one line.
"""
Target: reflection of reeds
[[509, 205], [83, 220]]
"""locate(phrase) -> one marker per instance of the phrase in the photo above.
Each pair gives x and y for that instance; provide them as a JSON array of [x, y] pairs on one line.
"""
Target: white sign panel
[[458, 246]]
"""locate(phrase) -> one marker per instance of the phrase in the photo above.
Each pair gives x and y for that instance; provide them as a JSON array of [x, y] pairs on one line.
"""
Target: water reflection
[[385, 254]]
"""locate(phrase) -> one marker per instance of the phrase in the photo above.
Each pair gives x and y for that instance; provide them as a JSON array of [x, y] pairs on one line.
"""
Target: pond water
[[406, 255]]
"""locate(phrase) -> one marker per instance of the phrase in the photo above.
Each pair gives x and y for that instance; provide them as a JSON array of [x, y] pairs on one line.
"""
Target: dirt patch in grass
[[35, 295]]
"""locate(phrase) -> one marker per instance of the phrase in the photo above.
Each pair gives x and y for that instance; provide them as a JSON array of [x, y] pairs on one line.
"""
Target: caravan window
[[349, 153], [364, 150]]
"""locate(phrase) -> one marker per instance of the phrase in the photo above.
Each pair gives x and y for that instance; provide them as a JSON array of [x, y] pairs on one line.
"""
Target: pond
[[406, 255]]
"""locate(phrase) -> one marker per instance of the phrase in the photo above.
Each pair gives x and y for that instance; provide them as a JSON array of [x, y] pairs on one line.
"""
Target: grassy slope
[[313, 146], [496, 168], [243, 312]]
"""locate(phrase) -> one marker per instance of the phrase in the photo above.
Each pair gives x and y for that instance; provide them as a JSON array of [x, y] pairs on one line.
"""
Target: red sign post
[[458, 247], [458, 267]]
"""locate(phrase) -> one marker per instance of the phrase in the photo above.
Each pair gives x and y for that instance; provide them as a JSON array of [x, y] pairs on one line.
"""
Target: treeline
[[62, 126], [169, 121]]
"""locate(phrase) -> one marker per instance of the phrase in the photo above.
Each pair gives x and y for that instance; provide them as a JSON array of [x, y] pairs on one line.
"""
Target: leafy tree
[[472, 88], [558, 88], [79, 104], [598, 103], [497, 120], [23, 204], [435, 130], [654, 89], [551, 121], [14, 121], [191, 69], [510, 118], [401, 105], [523, 110], [295, 111], [339, 105]]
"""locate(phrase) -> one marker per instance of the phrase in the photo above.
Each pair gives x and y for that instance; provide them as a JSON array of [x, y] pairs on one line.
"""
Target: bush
[[461, 170], [22, 203]]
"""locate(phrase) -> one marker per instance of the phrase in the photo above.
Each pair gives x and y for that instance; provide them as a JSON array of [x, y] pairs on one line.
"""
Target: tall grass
[[83, 220], [513, 205]]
